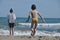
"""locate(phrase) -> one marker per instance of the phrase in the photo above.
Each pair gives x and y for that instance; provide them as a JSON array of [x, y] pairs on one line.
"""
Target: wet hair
[[33, 7], [11, 10]]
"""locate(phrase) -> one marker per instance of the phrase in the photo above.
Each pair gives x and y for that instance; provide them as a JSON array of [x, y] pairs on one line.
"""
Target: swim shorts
[[35, 20], [11, 25]]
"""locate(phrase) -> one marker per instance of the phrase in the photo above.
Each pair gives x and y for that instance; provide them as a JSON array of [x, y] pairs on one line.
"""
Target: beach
[[48, 31], [29, 38]]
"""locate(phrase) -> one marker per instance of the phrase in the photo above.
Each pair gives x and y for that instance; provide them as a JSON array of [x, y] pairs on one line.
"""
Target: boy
[[11, 21], [34, 14]]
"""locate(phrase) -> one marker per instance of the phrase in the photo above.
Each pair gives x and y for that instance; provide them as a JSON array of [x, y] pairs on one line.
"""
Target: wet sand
[[29, 38]]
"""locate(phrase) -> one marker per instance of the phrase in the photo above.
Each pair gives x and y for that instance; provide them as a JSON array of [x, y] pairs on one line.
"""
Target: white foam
[[4, 32], [27, 33], [56, 34], [40, 23]]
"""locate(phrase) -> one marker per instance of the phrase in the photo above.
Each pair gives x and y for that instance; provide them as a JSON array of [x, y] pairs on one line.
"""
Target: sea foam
[[28, 33]]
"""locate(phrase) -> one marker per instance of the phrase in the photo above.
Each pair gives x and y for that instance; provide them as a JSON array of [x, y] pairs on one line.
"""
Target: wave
[[43, 25], [40, 23], [27, 33]]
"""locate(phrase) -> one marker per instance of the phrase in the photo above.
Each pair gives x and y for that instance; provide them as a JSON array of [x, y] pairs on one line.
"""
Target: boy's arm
[[42, 18], [15, 18], [15, 21], [8, 19], [28, 18]]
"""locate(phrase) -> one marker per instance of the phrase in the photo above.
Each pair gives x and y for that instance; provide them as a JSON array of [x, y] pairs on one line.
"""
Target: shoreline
[[29, 37]]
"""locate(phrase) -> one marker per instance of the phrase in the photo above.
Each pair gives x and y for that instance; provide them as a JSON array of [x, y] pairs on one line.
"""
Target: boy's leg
[[12, 28], [12, 31], [32, 24], [35, 28]]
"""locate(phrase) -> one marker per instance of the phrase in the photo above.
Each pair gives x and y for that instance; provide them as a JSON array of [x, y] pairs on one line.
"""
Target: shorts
[[11, 25], [35, 20]]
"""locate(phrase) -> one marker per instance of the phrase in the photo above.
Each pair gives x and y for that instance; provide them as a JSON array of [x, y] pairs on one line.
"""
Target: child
[[34, 14], [11, 21]]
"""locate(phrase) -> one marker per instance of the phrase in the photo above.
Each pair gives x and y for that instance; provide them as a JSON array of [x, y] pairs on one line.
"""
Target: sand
[[29, 38]]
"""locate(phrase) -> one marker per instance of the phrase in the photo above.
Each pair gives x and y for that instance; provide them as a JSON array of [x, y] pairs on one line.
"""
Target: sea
[[22, 28]]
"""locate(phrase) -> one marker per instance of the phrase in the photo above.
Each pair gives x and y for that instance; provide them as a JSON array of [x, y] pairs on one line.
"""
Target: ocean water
[[50, 28]]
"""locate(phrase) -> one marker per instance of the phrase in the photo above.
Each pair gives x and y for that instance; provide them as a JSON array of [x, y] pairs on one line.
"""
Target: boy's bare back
[[34, 13]]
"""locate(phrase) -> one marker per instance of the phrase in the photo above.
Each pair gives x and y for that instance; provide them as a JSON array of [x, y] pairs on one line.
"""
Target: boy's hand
[[26, 20], [44, 21]]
